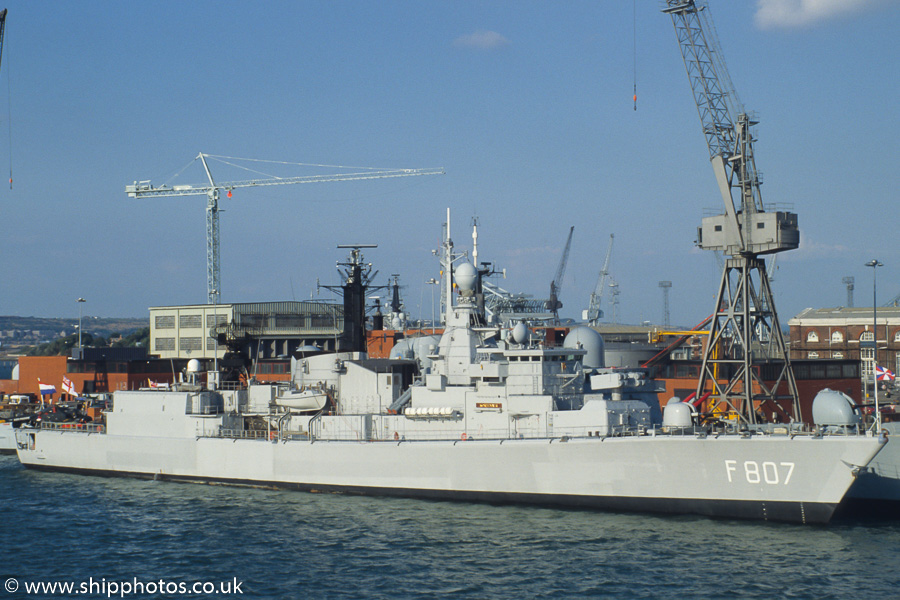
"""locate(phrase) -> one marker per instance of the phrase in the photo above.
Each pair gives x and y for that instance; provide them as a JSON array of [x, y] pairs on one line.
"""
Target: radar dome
[[423, 347], [677, 414], [465, 277], [590, 340], [831, 407], [402, 349], [520, 333], [193, 366]]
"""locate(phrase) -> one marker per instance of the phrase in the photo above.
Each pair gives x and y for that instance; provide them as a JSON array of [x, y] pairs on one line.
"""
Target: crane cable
[[8, 106], [634, 47]]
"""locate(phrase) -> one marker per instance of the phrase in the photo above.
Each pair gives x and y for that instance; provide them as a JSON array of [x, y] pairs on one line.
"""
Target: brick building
[[847, 333]]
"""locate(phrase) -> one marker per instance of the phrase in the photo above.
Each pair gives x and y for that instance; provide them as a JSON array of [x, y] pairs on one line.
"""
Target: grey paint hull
[[764, 477], [878, 487], [7, 439]]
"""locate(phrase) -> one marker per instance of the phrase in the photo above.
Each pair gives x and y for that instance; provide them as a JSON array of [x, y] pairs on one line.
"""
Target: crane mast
[[745, 347], [144, 189], [594, 312], [553, 304]]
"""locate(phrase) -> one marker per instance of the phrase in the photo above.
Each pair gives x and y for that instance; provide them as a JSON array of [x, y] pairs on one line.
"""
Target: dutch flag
[[46, 389], [884, 374]]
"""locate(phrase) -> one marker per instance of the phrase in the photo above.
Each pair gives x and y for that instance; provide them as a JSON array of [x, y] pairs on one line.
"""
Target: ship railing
[[73, 427], [241, 434]]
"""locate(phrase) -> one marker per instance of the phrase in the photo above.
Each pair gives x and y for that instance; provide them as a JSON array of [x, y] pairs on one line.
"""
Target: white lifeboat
[[302, 400]]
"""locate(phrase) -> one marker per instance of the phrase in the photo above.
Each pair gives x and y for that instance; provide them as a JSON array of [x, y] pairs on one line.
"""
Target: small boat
[[308, 399]]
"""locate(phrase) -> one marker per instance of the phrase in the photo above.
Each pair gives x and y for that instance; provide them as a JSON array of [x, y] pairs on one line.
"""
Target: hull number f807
[[768, 472]]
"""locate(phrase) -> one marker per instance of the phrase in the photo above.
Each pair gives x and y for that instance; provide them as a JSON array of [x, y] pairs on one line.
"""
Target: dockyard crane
[[745, 333], [594, 312], [553, 304], [849, 281], [144, 189]]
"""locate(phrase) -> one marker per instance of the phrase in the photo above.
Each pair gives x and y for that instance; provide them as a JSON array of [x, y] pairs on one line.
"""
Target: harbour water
[[69, 528]]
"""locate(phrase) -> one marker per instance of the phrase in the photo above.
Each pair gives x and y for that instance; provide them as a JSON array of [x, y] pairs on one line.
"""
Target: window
[[213, 320], [211, 344], [290, 321], [161, 344], [812, 355], [190, 321], [867, 336], [322, 321], [190, 343], [837, 337], [760, 225], [837, 355], [897, 336], [165, 322], [867, 360], [812, 336], [718, 228]]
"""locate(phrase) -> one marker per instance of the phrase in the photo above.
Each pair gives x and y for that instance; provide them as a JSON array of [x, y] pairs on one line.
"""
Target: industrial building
[[256, 330]]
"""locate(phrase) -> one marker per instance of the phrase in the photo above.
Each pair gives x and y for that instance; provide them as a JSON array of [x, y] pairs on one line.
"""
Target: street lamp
[[80, 301], [875, 263], [432, 282], [216, 342]]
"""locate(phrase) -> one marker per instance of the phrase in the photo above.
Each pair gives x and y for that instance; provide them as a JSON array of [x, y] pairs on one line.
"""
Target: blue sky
[[527, 105]]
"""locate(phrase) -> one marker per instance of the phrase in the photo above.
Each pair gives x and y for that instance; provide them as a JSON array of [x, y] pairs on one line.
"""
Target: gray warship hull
[[877, 489], [770, 477]]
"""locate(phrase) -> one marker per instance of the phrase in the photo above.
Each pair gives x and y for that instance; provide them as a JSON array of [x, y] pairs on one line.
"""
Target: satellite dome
[[520, 333], [465, 277], [677, 414], [193, 366], [402, 349], [424, 346], [831, 407], [590, 340]]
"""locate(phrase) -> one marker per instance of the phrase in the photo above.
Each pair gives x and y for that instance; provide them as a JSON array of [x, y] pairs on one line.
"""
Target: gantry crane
[[744, 333], [144, 189], [553, 304], [594, 312]]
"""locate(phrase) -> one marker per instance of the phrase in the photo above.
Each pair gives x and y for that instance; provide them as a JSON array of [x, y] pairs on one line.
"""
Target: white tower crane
[[144, 189], [594, 312]]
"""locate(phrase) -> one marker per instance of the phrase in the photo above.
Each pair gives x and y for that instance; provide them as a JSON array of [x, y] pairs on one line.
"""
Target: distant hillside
[[18, 333]]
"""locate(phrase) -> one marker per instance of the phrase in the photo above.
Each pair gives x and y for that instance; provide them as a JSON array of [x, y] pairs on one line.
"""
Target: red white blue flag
[[884, 374], [46, 389]]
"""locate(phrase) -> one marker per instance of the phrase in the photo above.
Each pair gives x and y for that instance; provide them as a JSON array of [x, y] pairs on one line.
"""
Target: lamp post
[[215, 384], [80, 302], [432, 282], [875, 263]]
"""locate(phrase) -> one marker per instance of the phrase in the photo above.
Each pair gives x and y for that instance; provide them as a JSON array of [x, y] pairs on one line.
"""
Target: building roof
[[845, 315]]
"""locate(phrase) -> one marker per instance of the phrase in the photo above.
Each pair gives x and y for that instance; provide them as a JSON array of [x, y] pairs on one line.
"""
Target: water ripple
[[297, 545]]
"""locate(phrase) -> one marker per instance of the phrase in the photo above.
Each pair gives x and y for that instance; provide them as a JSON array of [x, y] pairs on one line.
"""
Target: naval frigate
[[483, 414]]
